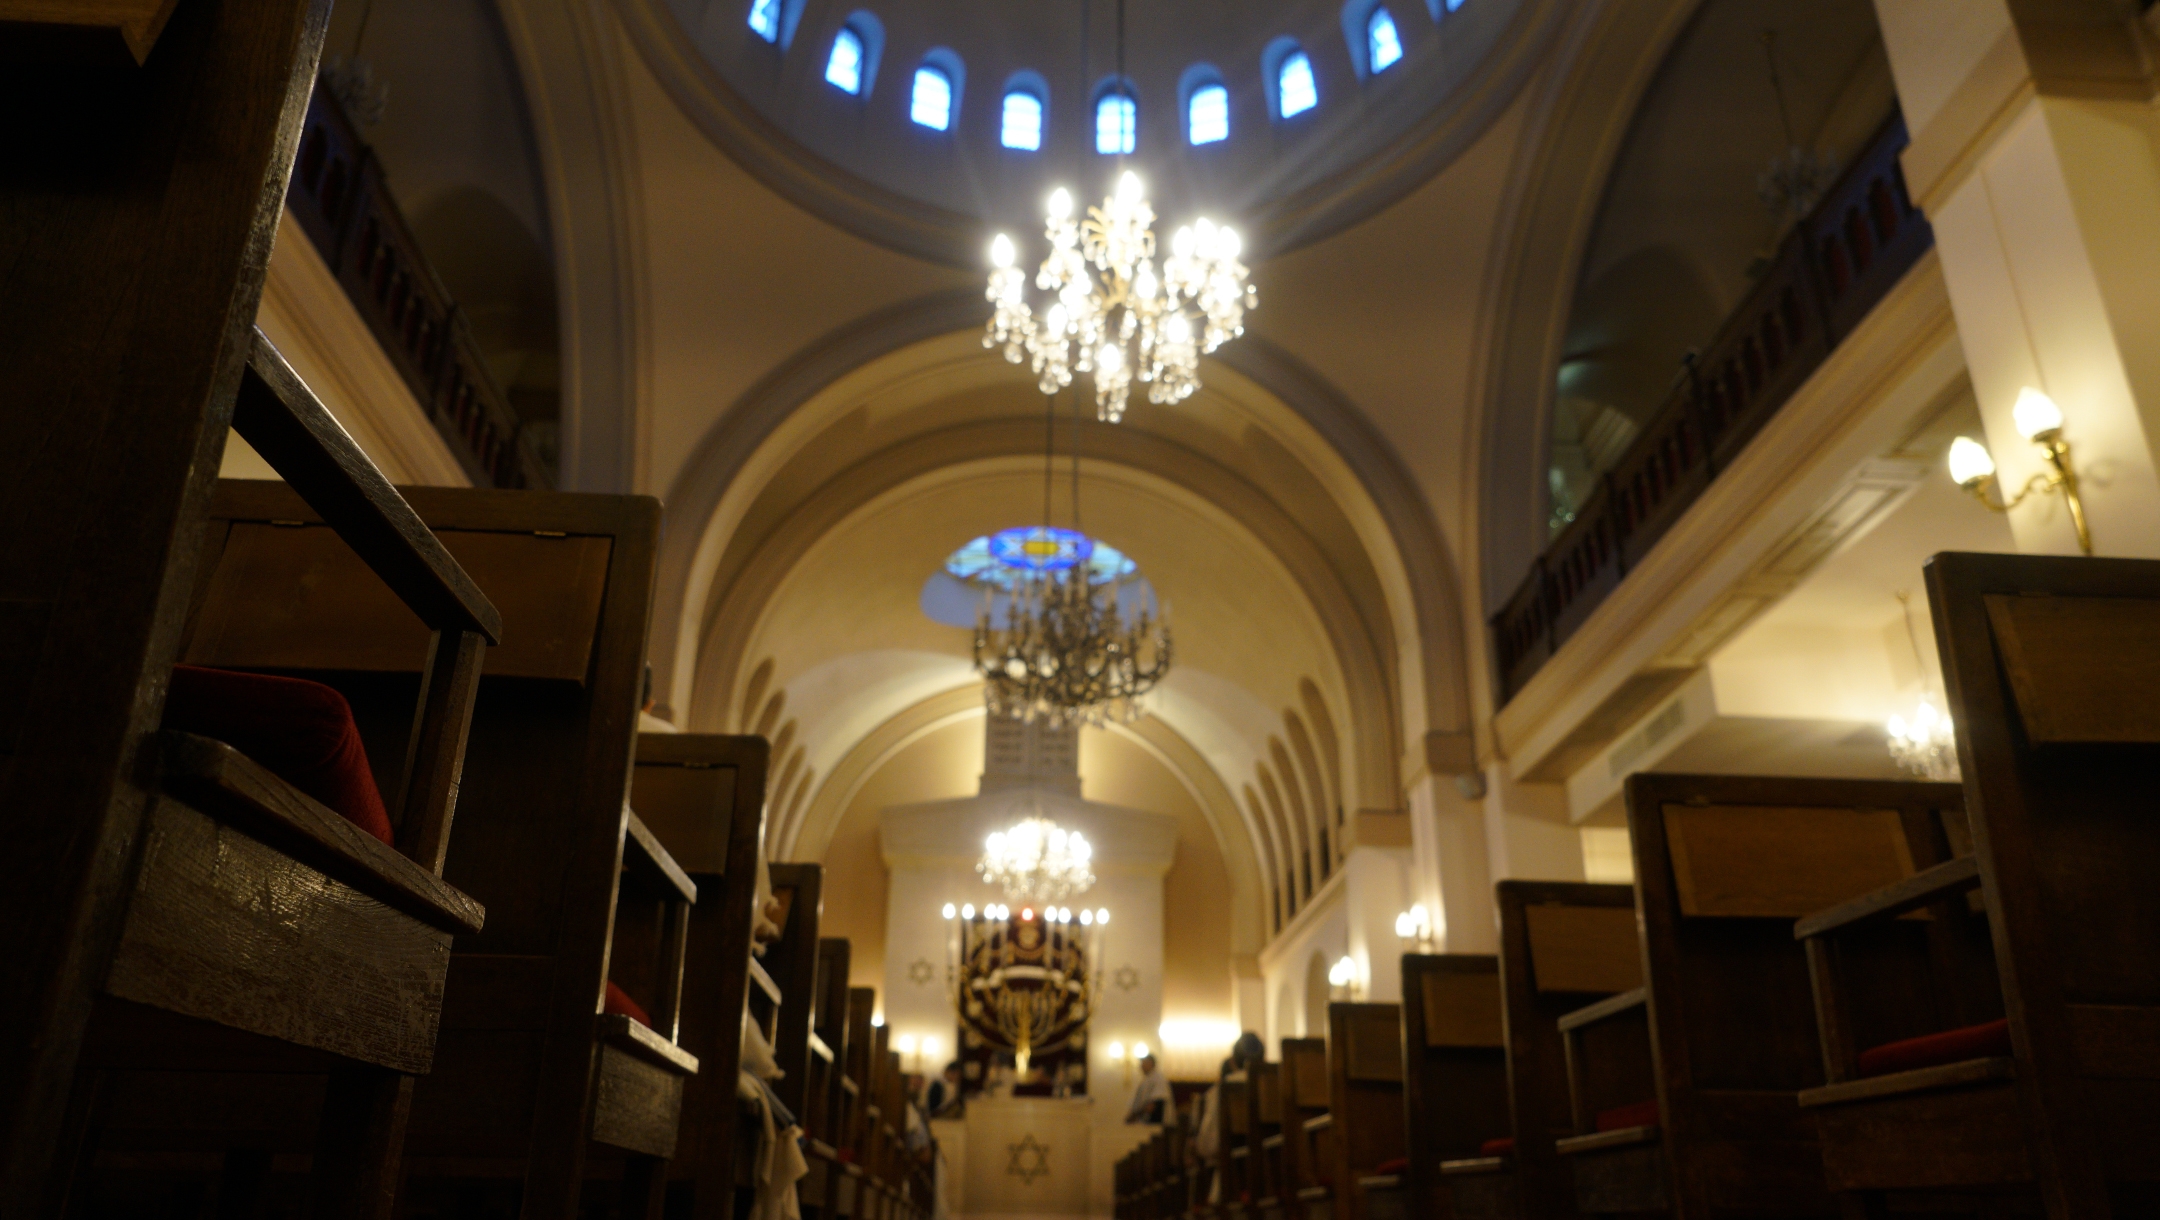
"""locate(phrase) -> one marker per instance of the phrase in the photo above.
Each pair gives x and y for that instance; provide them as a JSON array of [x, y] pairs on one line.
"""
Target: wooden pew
[[1263, 1120], [531, 1070], [1685, 1091], [853, 1198], [134, 268], [1365, 1107], [357, 968], [1237, 1143], [2054, 1104], [825, 1116], [703, 795], [1562, 945], [1305, 1151], [1455, 1071]]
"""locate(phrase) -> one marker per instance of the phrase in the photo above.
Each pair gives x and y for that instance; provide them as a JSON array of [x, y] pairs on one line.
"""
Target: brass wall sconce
[[2041, 421]]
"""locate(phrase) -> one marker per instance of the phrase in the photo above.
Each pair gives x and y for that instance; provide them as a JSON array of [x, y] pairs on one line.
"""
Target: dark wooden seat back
[[703, 795], [1263, 1121], [1723, 866], [1365, 1097], [2051, 665], [1563, 945], [1304, 1090], [1455, 1094]]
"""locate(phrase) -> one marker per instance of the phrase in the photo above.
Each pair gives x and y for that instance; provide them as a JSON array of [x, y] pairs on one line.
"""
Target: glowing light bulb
[[1102, 915], [1404, 927], [1027, 913], [1128, 188], [1139, 1050], [1117, 1050], [1342, 972], [2035, 414], [877, 1019], [1087, 917], [1896, 728], [1002, 252], [1180, 329], [948, 911], [1181, 243], [1970, 461], [1230, 245], [1060, 204], [930, 1047], [905, 1044], [1110, 358]]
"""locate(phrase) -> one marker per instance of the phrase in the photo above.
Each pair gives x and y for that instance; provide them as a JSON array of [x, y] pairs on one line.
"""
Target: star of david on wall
[[920, 972], [1030, 1160], [1126, 977]]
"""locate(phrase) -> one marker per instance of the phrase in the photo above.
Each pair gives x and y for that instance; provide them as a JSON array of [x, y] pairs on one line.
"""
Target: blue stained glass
[[1116, 124], [1299, 92], [932, 103], [844, 69], [1208, 117], [1022, 125], [1012, 557], [765, 19], [1382, 40]]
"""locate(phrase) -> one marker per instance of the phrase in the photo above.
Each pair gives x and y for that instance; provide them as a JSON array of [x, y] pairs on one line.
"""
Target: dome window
[[931, 105], [1117, 123], [765, 19], [844, 69], [1383, 45], [1020, 126], [1296, 91], [1207, 115]]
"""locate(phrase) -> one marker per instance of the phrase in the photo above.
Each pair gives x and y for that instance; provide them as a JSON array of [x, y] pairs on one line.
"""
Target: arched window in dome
[[1117, 122], [1020, 125], [931, 104], [844, 67], [1294, 84], [765, 19], [1207, 114], [1383, 44]]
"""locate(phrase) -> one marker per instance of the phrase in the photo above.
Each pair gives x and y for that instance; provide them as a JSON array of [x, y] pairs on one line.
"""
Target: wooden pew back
[[1455, 1094], [1723, 866], [2049, 664], [1365, 1097], [1306, 1152], [1563, 945]]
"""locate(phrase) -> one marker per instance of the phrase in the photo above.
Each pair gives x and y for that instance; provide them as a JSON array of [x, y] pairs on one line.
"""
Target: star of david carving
[[1030, 1160], [1126, 977], [920, 972]]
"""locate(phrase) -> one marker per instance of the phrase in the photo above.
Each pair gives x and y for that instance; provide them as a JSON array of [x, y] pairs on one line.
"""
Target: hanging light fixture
[[1037, 862], [1113, 314], [1923, 743]]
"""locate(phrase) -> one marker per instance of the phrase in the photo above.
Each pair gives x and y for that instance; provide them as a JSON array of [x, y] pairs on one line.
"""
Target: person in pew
[[1206, 1147], [1151, 1097], [944, 1098]]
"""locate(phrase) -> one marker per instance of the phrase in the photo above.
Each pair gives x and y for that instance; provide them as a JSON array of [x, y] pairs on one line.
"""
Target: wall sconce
[[1415, 925], [1342, 976], [2041, 421]]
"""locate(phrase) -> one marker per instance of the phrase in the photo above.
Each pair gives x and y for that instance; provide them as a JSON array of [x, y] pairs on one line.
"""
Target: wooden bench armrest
[[763, 981], [648, 861], [1914, 892], [278, 415], [1320, 1122], [235, 789], [636, 1038], [820, 1048], [1604, 1010]]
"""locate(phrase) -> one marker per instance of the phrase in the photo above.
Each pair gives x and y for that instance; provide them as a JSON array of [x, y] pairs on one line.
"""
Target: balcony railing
[[343, 204], [1830, 271]]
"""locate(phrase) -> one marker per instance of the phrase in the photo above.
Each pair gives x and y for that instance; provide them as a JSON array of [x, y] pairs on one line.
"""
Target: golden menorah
[[1024, 983]]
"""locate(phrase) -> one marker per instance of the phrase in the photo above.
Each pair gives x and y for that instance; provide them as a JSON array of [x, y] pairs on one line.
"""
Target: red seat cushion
[[618, 1001], [1400, 1164], [300, 731], [1619, 1118], [1934, 1050], [1504, 1146]]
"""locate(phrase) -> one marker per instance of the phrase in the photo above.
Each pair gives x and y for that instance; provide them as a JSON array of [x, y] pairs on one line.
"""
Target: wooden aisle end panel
[[1595, 950]]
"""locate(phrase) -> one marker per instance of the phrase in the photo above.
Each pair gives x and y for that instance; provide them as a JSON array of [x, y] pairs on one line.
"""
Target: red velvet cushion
[[1934, 1050], [1504, 1146], [618, 1001], [1619, 1118], [300, 731]]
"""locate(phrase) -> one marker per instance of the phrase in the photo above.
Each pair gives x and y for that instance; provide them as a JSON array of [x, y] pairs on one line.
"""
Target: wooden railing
[[342, 202], [1830, 271]]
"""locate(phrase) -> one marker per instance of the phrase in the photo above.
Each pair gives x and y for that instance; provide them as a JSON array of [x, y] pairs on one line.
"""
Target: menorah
[[1023, 982]]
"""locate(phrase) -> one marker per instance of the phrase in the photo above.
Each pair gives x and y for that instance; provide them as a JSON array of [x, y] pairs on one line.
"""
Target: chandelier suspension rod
[[1076, 462]]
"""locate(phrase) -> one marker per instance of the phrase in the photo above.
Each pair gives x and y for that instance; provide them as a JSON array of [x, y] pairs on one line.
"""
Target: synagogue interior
[[1125, 609]]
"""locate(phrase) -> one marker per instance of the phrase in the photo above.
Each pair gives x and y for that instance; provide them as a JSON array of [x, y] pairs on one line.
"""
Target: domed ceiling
[[760, 77]]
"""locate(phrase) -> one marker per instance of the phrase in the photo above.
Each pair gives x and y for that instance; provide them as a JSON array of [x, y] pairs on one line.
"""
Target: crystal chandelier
[[1925, 745], [1037, 862], [1114, 316], [1068, 653]]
